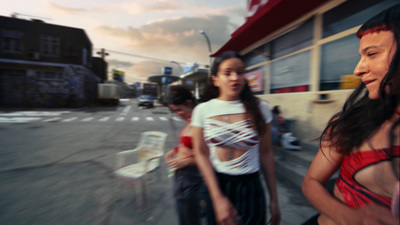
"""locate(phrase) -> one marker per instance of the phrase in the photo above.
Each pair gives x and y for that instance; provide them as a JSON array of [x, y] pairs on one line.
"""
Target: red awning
[[272, 16]]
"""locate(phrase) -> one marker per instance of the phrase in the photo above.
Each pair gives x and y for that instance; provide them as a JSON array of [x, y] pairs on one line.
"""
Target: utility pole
[[103, 55]]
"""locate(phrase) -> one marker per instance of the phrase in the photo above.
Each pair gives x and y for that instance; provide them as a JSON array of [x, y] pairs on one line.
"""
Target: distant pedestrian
[[277, 126]]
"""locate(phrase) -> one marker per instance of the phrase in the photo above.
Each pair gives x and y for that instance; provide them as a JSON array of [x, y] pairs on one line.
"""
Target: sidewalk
[[87, 193], [295, 209]]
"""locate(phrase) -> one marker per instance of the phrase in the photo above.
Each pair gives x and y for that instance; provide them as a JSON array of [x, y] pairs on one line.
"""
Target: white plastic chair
[[134, 166]]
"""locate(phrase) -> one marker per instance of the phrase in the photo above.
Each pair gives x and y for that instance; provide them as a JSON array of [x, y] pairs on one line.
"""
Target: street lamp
[[209, 49], [179, 65]]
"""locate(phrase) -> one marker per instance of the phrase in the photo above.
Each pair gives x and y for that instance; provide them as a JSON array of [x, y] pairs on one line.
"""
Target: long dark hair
[[250, 102], [361, 116]]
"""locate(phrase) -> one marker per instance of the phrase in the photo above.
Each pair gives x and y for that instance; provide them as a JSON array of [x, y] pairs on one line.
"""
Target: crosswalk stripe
[[125, 111], [87, 119], [104, 119], [18, 119], [52, 119], [70, 119], [176, 118]]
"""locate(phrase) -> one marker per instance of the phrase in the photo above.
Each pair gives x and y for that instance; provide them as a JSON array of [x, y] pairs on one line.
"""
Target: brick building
[[45, 65]]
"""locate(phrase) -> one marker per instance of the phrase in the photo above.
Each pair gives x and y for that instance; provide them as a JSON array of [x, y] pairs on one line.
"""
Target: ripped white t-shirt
[[240, 135]]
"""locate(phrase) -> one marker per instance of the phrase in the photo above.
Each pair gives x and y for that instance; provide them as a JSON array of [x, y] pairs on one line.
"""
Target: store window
[[11, 41], [299, 38], [50, 45], [291, 74], [338, 60], [258, 55], [352, 13]]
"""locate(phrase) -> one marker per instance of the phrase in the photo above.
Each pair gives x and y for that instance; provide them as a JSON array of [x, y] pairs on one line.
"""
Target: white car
[[146, 100]]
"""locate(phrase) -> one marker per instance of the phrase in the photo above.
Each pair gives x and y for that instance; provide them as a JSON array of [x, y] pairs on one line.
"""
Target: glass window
[[50, 45], [352, 13], [12, 41], [291, 74], [297, 39], [338, 58], [257, 55]]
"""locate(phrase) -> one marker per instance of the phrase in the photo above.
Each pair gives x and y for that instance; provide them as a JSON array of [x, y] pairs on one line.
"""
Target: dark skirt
[[246, 194]]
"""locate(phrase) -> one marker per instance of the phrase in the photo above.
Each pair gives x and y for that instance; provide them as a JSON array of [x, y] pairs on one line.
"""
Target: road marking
[[70, 119], [87, 119], [18, 119], [125, 111], [52, 119], [104, 119], [34, 113], [8, 119]]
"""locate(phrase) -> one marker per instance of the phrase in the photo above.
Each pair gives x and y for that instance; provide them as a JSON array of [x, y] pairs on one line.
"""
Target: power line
[[141, 56]]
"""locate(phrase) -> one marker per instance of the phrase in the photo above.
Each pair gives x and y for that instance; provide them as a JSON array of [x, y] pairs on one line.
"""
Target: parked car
[[146, 100]]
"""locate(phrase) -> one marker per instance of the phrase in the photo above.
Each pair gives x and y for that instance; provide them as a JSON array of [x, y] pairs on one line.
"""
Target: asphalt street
[[61, 171]]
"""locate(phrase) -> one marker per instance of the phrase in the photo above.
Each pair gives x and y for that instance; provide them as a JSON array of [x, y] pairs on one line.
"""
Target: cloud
[[137, 70], [75, 10], [67, 10], [173, 6], [146, 6], [174, 35]]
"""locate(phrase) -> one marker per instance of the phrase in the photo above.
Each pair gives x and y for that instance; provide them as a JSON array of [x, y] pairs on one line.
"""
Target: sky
[[142, 36]]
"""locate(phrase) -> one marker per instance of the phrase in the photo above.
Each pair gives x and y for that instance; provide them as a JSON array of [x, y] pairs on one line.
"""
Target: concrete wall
[[310, 113]]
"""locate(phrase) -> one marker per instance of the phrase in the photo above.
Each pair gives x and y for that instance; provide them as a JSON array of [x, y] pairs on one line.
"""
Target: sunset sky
[[142, 36]]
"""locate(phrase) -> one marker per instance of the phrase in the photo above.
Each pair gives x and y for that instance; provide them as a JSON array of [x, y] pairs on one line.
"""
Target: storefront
[[301, 55]]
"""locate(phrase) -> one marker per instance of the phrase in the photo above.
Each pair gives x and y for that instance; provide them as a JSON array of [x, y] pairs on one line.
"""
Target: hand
[[275, 214], [177, 164], [225, 213], [170, 155], [372, 215]]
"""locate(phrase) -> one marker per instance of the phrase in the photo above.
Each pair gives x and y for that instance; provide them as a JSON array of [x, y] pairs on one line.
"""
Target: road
[[56, 167]]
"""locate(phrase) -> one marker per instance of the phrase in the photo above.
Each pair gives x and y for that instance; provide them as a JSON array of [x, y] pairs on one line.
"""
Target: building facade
[[45, 65], [301, 55]]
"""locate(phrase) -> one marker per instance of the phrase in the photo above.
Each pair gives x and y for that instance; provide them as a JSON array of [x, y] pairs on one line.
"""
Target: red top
[[187, 141], [354, 194]]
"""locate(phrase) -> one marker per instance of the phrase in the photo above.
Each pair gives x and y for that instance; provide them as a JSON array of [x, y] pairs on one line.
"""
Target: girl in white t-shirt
[[232, 145]]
